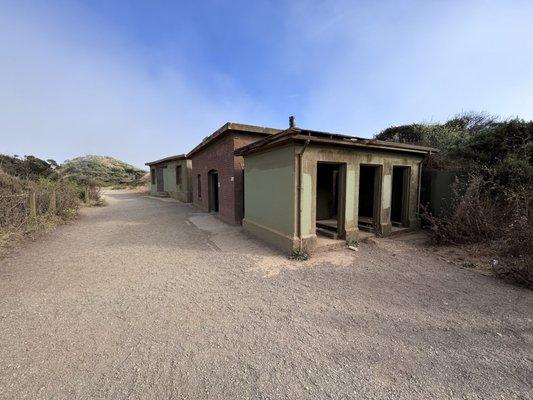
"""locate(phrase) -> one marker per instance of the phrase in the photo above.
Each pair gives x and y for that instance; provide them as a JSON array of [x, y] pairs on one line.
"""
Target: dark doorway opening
[[330, 200], [369, 187], [159, 176], [213, 190], [400, 196]]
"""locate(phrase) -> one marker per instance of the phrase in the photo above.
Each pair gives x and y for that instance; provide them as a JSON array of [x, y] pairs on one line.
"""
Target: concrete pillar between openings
[[385, 227], [351, 209]]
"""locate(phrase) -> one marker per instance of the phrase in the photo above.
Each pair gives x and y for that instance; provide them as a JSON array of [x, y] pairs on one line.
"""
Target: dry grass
[[504, 225], [20, 218]]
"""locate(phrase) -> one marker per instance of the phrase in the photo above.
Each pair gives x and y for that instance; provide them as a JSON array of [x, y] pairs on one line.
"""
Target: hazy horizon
[[142, 80]]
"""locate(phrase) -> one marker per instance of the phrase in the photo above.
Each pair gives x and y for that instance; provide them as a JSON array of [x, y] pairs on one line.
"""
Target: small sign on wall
[[231, 179], [218, 184]]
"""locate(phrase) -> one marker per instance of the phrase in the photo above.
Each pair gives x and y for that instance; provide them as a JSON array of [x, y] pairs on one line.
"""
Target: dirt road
[[149, 299]]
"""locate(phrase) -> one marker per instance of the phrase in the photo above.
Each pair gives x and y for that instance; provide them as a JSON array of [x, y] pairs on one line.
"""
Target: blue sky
[[140, 80]]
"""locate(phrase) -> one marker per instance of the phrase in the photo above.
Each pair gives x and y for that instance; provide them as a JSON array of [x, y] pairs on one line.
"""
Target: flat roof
[[333, 139], [167, 159], [233, 126]]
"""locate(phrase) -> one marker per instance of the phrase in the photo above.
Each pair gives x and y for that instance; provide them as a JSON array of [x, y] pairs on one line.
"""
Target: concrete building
[[171, 176], [217, 173], [301, 183]]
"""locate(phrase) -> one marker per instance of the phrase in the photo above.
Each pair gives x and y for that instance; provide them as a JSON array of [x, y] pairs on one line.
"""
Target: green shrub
[[299, 255], [493, 198]]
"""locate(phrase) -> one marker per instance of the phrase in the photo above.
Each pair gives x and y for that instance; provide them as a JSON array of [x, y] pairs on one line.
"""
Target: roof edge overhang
[[267, 142], [325, 138], [167, 159], [235, 127]]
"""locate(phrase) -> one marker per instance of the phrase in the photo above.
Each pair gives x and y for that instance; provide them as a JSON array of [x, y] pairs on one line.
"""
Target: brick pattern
[[218, 156]]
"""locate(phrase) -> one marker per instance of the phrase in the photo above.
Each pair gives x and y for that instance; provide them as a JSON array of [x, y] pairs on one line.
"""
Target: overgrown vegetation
[[29, 167], [28, 205], [102, 171], [492, 201], [36, 194]]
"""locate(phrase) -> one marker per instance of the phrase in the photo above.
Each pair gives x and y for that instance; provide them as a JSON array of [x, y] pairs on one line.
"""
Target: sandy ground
[[150, 299]]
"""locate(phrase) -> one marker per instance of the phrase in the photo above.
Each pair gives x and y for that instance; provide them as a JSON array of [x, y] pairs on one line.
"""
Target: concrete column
[[385, 226], [308, 203], [351, 215], [414, 220]]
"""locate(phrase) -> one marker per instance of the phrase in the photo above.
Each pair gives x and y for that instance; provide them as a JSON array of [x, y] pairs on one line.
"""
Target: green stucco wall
[[269, 191], [353, 159], [182, 192]]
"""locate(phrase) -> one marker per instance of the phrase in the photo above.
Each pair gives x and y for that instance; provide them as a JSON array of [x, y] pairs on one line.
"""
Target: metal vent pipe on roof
[[292, 121]]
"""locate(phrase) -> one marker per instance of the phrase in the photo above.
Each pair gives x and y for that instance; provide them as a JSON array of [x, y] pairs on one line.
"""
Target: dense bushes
[[34, 196], [472, 217], [492, 201], [28, 206], [37, 194], [13, 202], [29, 167]]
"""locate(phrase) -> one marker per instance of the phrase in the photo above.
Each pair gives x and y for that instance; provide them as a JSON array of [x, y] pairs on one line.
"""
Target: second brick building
[[217, 174]]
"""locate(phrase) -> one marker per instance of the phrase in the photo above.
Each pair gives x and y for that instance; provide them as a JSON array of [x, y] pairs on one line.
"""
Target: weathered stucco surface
[[183, 191], [269, 195], [353, 159], [271, 191]]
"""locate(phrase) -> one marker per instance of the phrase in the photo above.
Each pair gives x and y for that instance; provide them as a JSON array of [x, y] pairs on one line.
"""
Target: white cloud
[[374, 65], [71, 86]]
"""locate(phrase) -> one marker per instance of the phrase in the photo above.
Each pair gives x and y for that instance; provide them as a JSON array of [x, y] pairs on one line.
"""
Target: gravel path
[[150, 299]]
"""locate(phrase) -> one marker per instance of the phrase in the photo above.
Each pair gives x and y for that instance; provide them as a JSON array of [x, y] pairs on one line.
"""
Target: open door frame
[[406, 186], [213, 191], [376, 202], [405, 198], [341, 197], [341, 202]]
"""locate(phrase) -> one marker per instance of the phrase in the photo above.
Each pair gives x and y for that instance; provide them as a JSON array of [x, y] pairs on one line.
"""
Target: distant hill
[[88, 170], [102, 171]]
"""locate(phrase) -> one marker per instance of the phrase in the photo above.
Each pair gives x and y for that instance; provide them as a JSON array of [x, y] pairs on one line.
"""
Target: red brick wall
[[218, 155]]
